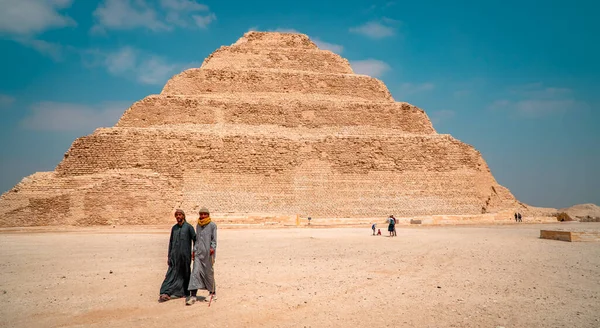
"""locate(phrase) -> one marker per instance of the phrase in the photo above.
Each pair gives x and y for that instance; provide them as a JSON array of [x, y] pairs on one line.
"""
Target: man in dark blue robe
[[179, 259]]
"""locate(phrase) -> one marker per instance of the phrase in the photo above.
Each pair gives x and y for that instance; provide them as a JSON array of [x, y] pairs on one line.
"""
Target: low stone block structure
[[571, 236]]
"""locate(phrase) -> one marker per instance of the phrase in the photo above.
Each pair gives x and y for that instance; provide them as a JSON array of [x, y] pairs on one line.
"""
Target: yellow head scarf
[[203, 222]]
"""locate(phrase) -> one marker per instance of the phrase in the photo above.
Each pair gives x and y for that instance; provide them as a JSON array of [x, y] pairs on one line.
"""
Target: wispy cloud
[[440, 116], [155, 70], [380, 7], [124, 15], [22, 20], [536, 100], [58, 116], [204, 21], [50, 49], [121, 61], [145, 67], [538, 90], [371, 67], [390, 21], [336, 48], [26, 18], [376, 29], [133, 14], [413, 88], [6, 100], [183, 5]]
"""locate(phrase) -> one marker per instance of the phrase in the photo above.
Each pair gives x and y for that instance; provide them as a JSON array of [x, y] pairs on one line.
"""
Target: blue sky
[[517, 80]]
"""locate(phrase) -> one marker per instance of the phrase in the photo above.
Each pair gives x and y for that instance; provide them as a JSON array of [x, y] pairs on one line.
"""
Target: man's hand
[[193, 255], [212, 251]]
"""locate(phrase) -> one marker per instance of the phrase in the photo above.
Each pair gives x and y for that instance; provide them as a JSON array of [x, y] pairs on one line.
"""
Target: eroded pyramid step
[[172, 150], [254, 39], [295, 111], [425, 173], [197, 81], [291, 59]]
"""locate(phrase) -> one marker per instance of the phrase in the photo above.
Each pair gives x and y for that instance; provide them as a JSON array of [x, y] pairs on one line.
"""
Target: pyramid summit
[[270, 125]]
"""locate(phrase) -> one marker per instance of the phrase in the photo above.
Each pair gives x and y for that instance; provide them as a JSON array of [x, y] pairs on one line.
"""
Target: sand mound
[[583, 211]]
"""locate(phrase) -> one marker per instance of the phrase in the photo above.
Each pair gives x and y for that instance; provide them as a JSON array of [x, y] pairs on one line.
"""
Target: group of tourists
[[391, 221], [185, 246]]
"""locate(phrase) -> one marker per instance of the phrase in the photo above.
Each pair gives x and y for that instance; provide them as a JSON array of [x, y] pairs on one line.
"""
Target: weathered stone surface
[[571, 235], [199, 81], [292, 59], [289, 111], [269, 127]]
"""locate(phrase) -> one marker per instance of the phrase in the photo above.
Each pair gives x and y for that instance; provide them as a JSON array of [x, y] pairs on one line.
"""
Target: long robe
[[203, 276], [180, 257]]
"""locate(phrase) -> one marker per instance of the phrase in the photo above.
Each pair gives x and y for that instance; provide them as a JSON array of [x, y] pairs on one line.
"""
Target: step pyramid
[[269, 125]]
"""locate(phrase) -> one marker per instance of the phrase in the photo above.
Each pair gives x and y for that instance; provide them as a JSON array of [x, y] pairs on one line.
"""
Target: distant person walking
[[395, 222], [203, 276], [373, 227], [179, 259], [520, 218], [516, 217]]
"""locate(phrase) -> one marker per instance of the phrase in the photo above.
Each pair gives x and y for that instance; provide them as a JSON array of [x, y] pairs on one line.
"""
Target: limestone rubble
[[271, 125]]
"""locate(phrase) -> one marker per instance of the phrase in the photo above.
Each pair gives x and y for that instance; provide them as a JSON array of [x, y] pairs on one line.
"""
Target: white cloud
[[125, 14], [204, 21], [155, 70], [390, 21], [132, 14], [22, 20], [121, 61], [371, 67], [440, 116], [374, 30], [183, 5], [6, 100], [25, 18], [336, 48], [178, 12], [57, 116], [535, 101], [146, 68], [412, 88], [538, 90], [53, 50], [537, 108]]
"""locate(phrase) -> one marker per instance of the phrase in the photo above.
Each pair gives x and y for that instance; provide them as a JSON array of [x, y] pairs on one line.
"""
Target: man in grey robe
[[179, 259], [205, 252]]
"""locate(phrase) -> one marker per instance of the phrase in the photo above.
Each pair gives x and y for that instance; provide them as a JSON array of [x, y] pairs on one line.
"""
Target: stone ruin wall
[[293, 111], [268, 125]]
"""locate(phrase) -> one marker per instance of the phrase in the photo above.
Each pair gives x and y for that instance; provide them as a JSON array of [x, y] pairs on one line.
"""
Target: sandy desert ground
[[484, 276]]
